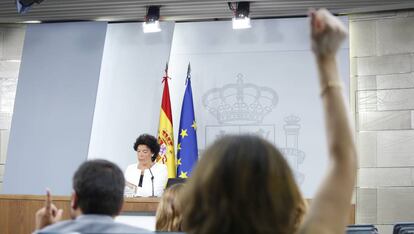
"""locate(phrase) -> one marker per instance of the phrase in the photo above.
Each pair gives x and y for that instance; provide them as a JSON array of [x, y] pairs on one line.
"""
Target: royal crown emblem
[[240, 109], [240, 102]]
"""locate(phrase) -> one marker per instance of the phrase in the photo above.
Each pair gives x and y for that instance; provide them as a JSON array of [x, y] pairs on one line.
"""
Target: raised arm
[[330, 209]]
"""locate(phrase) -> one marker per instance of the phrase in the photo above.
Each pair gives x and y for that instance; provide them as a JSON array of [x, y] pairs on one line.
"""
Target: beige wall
[[11, 44], [382, 70]]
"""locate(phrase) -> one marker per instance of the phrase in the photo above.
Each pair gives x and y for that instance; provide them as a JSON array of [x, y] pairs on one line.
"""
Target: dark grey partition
[[54, 106]]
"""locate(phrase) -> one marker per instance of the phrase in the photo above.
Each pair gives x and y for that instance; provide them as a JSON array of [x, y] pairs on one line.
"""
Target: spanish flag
[[165, 130]]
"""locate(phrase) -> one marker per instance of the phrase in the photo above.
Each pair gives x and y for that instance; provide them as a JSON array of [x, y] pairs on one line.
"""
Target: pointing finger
[[48, 201]]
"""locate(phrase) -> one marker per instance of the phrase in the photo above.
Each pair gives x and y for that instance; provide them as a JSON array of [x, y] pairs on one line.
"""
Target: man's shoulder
[[125, 228], [59, 226], [92, 226]]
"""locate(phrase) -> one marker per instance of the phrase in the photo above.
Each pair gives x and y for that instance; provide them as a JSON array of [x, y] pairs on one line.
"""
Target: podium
[[17, 212]]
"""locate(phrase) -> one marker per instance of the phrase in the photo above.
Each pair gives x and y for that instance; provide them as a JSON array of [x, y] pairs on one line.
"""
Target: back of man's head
[[99, 187]]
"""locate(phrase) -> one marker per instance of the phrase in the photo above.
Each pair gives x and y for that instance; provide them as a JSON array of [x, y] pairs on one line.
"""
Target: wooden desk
[[17, 212]]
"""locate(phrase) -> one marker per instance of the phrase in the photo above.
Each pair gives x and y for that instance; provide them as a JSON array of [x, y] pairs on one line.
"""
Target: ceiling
[[179, 10]]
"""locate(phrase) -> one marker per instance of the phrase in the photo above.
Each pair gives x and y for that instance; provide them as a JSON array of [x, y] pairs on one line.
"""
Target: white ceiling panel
[[178, 10]]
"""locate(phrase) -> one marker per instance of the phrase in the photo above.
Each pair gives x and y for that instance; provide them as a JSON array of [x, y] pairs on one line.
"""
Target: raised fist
[[327, 32]]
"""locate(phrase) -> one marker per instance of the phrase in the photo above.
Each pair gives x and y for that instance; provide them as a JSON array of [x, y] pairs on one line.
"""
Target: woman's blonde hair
[[242, 184], [169, 211]]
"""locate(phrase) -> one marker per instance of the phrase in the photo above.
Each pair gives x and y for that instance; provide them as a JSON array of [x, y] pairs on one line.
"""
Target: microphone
[[152, 181]]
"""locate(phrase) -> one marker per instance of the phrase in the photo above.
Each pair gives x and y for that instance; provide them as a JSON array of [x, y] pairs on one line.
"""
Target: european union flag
[[187, 150]]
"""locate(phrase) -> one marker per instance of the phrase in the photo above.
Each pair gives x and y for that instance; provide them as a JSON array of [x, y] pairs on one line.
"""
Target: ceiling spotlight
[[241, 12], [23, 6], [152, 23]]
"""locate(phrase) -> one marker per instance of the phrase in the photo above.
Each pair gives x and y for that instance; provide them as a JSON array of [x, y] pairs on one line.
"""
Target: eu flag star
[[183, 133], [183, 175], [178, 147], [179, 162], [194, 125]]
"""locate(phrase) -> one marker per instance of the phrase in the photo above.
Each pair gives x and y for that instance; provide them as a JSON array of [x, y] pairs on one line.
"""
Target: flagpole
[[188, 73], [165, 73]]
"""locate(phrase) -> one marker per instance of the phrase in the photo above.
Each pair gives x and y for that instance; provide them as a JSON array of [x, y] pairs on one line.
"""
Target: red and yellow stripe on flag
[[165, 131]]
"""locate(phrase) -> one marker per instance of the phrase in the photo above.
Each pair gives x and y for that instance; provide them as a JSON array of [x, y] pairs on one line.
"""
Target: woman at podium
[[146, 178]]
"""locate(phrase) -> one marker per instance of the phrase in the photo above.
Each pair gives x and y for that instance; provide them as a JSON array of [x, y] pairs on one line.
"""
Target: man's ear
[[74, 201]]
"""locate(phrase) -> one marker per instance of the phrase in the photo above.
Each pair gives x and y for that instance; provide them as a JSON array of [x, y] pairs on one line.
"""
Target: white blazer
[[160, 173]]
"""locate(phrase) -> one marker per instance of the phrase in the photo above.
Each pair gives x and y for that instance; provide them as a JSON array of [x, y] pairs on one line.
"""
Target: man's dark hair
[[99, 186], [151, 142]]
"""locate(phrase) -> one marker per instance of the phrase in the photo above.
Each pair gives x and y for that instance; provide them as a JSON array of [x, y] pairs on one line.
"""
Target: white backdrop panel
[[129, 93], [54, 106], [273, 54]]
